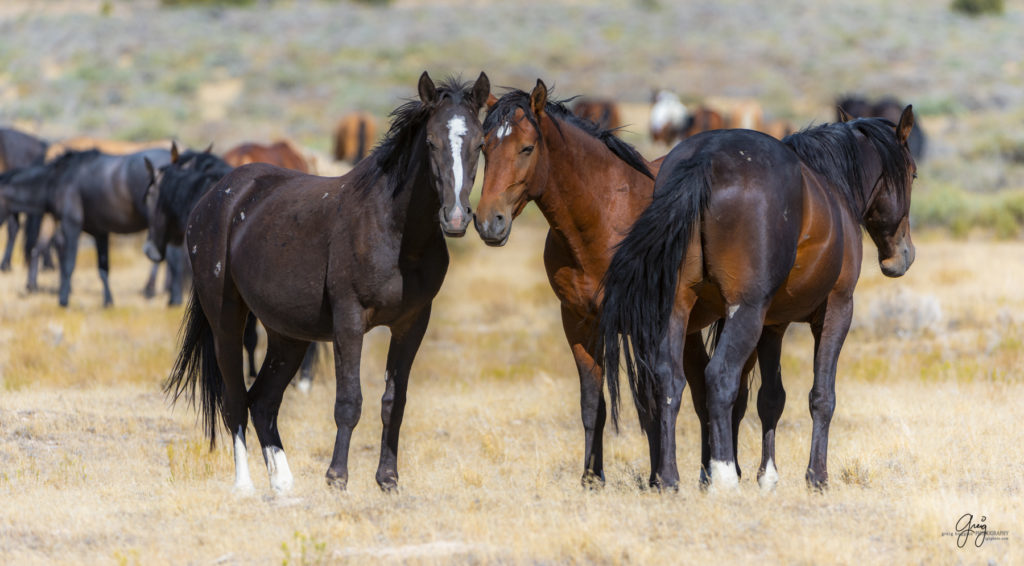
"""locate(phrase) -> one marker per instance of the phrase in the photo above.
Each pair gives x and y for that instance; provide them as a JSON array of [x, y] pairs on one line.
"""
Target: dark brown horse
[[754, 234], [280, 153], [354, 136], [327, 259], [886, 107], [590, 186]]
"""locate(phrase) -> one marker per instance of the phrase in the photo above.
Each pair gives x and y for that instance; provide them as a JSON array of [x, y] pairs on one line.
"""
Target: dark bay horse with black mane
[[753, 234], [590, 186], [327, 259]]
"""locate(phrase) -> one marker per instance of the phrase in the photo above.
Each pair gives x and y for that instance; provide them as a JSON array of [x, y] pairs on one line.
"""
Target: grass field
[[95, 467]]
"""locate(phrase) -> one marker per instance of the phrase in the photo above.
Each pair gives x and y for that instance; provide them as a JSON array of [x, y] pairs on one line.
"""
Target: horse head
[[454, 138], [514, 153]]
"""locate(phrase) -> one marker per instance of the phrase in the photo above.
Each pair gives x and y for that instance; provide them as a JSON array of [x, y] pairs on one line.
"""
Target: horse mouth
[[457, 233], [496, 242]]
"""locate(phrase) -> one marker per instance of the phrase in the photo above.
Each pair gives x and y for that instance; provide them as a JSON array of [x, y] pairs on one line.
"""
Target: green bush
[[977, 7]]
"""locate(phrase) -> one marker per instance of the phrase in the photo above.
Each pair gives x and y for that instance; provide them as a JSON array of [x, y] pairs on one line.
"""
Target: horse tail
[[197, 365], [640, 284]]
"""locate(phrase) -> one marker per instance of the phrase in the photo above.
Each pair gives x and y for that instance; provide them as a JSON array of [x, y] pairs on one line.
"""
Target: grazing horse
[[327, 259], [17, 150], [354, 136], [590, 185], [604, 113], [280, 153], [752, 234], [886, 107]]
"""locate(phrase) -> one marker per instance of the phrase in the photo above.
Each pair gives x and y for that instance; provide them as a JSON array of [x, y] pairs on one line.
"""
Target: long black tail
[[197, 364], [640, 285]]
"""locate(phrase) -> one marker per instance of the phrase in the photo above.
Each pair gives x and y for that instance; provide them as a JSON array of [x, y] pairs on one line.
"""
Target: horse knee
[[822, 406]]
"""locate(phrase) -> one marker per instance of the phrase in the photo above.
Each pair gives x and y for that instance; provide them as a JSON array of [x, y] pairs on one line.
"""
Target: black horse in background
[[887, 107], [173, 192], [327, 259], [17, 150], [95, 193]]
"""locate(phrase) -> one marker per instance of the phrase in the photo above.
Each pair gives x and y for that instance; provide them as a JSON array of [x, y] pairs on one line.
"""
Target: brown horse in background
[[886, 107], [603, 112], [751, 234], [280, 153], [354, 136]]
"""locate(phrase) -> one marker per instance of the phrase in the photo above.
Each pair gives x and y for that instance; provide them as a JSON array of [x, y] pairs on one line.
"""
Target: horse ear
[[428, 92], [906, 124], [174, 153], [844, 116], [539, 98], [481, 90], [209, 148]]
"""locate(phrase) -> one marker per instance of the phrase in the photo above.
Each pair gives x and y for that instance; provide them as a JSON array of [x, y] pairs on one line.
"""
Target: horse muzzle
[[455, 224], [899, 263], [494, 231]]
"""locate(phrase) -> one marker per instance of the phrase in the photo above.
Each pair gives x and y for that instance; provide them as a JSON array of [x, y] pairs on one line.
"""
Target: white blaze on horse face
[[277, 466], [456, 129], [503, 130], [243, 482]]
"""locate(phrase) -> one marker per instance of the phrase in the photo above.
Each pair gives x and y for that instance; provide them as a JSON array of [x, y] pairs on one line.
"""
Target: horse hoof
[[337, 481], [592, 481], [388, 482]]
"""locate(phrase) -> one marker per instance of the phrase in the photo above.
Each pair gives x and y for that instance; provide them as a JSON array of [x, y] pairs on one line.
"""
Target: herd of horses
[[733, 232]]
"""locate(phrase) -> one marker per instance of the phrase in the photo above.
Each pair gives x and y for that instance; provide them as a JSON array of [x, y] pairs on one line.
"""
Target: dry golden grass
[[95, 467]]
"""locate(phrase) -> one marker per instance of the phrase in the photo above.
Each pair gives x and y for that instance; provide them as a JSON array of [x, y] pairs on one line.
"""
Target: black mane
[[505, 109], [187, 180], [832, 150], [399, 153]]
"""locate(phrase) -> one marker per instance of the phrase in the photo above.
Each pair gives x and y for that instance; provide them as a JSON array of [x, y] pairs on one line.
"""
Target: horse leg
[[695, 363], [33, 247], [829, 330], [671, 382], [405, 342], [771, 400], [740, 408], [592, 403], [249, 340], [283, 357], [12, 235], [70, 232], [348, 400], [724, 373], [103, 259], [175, 260], [227, 327], [306, 370], [149, 291]]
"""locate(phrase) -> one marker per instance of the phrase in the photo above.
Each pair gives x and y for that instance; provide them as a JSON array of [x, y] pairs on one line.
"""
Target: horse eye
[[527, 150]]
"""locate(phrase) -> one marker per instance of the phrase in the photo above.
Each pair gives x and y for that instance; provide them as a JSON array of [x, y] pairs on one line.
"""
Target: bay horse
[[354, 136], [604, 113], [327, 259], [590, 186], [280, 153], [19, 149], [752, 234]]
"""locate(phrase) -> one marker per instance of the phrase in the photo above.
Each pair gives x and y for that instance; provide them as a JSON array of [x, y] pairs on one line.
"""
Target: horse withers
[[327, 259], [752, 234]]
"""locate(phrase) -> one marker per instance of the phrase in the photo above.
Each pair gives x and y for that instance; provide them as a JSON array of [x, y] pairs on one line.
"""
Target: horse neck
[[413, 210], [30, 197], [583, 198]]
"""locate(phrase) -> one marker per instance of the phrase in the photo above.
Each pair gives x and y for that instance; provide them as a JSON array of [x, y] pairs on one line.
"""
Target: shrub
[[977, 7]]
